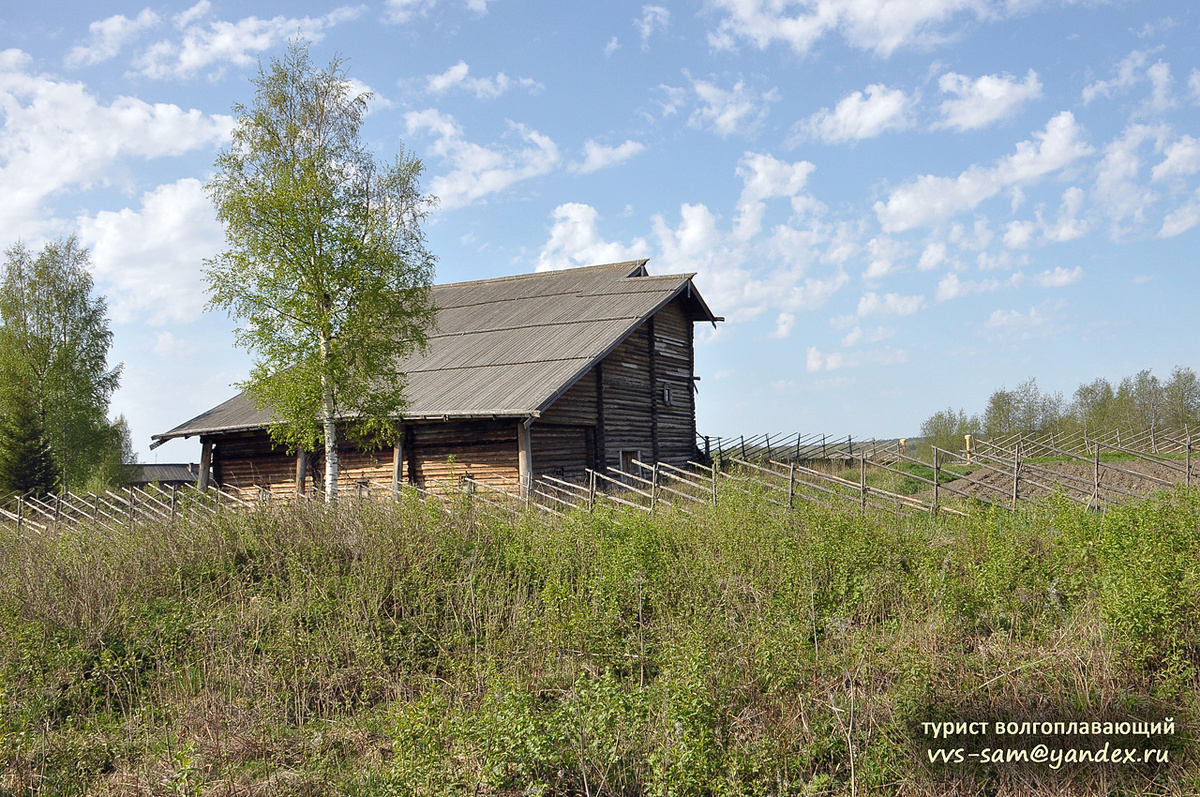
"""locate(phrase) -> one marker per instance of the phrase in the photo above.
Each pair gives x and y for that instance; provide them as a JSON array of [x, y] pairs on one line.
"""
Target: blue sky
[[898, 205]]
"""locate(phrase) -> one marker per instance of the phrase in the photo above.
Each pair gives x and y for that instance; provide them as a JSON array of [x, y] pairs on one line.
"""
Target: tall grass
[[402, 650]]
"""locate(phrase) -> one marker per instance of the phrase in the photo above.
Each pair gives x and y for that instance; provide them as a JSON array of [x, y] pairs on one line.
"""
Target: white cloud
[[783, 326], [475, 170], [857, 335], [984, 100], [612, 46], [740, 110], [1059, 277], [167, 345], [1019, 234], [765, 177], [1182, 158], [149, 260], [932, 256], [220, 42], [57, 136], [857, 117], [653, 19], [1069, 226], [1124, 199], [1015, 325], [484, 88], [401, 11], [881, 26], [884, 253], [597, 156], [108, 36], [951, 287], [1128, 73], [816, 360], [575, 240], [929, 199], [1194, 85], [889, 304], [1161, 98], [1182, 218]]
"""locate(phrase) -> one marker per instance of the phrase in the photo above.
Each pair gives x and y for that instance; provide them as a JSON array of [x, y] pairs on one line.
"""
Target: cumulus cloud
[[932, 256], [475, 170], [653, 19], [1182, 218], [765, 177], [816, 360], [58, 136], [597, 156], [484, 88], [108, 36], [889, 304], [987, 99], [612, 46], [401, 11], [857, 117], [1123, 198], [575, 240], [857, 336], [1059, 277], [783, 326], [211, 46], [740, 109], [1181, 159], [951, 287], [1127, 73], [149, 260], [1014, 325], [881, 26], [930, 199]]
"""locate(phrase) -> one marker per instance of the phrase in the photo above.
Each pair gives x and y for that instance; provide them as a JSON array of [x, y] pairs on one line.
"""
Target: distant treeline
[[1138, 402]]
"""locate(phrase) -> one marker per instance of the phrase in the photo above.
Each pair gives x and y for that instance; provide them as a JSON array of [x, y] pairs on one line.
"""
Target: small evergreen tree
[[26, 465]]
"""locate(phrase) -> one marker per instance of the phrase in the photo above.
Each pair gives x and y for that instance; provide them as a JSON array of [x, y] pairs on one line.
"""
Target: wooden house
[[546, 373]]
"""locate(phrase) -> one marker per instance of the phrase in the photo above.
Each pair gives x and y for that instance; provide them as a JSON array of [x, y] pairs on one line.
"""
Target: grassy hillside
[[381, 650]]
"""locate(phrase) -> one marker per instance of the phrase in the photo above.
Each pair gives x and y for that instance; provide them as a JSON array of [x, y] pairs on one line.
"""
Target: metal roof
[[508, 347]]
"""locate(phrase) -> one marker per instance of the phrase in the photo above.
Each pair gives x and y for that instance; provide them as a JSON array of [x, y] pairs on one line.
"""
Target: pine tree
[[26, 465]]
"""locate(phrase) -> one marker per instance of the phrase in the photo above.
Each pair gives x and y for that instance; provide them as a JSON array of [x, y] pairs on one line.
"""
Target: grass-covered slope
[[404, 650]]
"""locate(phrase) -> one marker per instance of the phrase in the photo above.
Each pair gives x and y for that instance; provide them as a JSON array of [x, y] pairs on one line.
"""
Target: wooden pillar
[[653, 392], [524, 459], [398, 462], [205, 463], [301, 470], [601, 449]]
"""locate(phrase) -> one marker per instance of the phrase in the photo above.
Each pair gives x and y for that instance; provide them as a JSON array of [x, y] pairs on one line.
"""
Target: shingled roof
[[508, 347]]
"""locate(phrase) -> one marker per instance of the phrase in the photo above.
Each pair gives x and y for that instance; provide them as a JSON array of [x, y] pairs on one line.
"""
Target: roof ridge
[[596, 266]]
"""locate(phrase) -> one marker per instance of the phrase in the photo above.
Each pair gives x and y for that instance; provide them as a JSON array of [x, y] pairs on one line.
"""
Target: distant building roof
[[508, 347], [161, 474]]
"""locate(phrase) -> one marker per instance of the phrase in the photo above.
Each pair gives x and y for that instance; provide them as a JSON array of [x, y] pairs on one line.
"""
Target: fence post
[[1187, 480], [937, 479], [791, 484], [1016, 473], [95, 507], [714, 478], [824, 453], [653, 487], [850, 446], [862, 486], [592, 489], [768, 446], [131, 514], [1096, 477], [174, 500], [743, 446], [797, 446], [20, 511]]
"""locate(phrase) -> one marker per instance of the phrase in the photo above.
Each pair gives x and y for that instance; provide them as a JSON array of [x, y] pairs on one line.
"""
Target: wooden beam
[[206, 448], [601, 451], [524, 459], [398, 461], [653, 393]]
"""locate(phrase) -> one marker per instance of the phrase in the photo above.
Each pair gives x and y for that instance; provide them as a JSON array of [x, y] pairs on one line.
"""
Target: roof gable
[[509, 347]]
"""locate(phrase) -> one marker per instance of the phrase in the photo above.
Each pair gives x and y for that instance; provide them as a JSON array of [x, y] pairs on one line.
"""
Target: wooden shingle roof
[[508, 347]]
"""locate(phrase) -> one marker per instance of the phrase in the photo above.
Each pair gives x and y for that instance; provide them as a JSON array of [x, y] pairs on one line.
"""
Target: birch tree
[[325, 266]]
